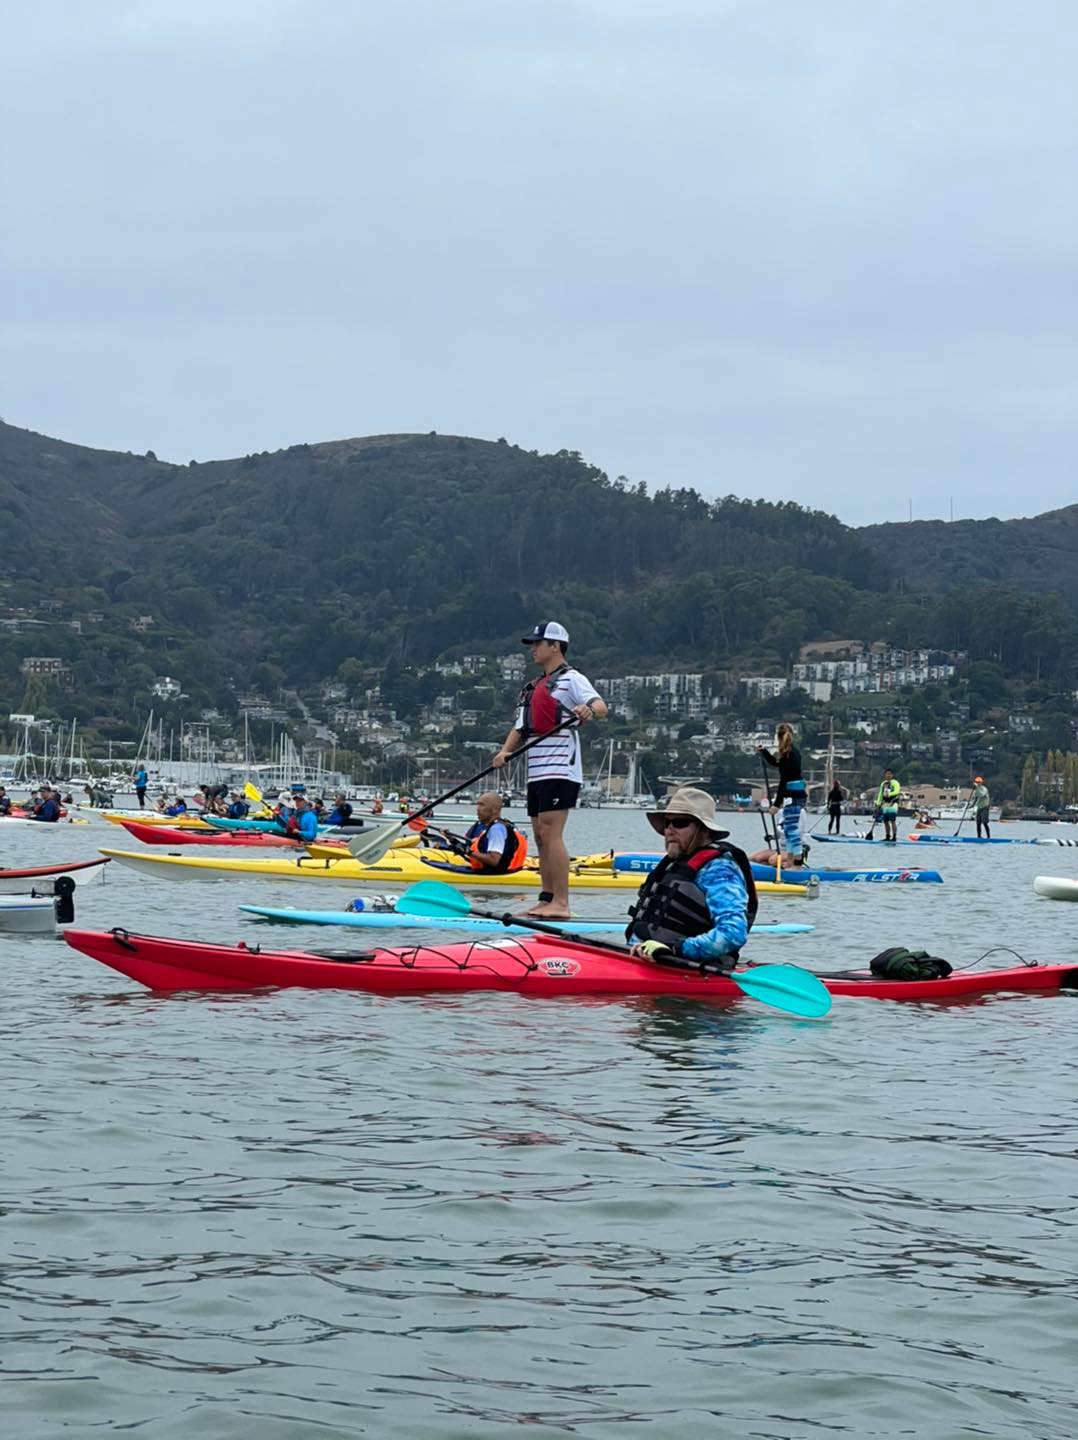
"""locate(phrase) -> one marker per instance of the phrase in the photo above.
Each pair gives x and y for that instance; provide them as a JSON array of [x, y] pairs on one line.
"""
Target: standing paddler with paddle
[[555, 773], [886, 806], [981, 801], [790, 796]]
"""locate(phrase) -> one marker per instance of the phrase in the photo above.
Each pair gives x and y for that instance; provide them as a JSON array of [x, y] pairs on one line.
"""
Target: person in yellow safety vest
[[887, 804]]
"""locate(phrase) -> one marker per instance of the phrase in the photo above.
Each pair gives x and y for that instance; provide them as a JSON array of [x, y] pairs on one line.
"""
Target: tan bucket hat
[[687, 801]]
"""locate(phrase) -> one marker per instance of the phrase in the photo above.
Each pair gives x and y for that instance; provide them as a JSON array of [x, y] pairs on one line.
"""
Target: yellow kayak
[[398, 867]]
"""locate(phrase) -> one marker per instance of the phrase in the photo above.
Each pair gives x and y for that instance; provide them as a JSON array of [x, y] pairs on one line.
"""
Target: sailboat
[[600, 793]]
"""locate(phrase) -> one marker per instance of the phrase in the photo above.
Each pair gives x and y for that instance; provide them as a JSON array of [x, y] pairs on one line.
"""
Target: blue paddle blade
[[433, 897], [786, 988]]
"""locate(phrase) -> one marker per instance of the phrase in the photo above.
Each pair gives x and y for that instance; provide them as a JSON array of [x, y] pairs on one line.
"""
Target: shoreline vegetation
[[338, 595]]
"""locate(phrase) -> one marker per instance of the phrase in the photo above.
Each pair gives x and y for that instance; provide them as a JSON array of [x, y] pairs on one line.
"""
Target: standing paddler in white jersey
[[555, 774]]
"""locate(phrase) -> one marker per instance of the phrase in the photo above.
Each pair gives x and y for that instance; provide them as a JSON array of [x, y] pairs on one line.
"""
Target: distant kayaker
[[341, 814], [178, 806], [494, 843], [49, 807], [555, 774], [790, 796], [699, 902], [141, 780], [835, 797], [981, 802], [302, 823], [238, 808], [376, 805], [5, 802]]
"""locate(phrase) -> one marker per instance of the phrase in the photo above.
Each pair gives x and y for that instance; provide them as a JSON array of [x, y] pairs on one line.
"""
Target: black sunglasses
[[679, 822]]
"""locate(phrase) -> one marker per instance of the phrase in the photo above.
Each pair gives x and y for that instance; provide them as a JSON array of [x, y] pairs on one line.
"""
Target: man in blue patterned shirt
[[697, 906]]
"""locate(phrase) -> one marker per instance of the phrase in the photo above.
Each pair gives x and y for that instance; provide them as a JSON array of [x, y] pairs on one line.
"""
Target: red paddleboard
[[168, 835]]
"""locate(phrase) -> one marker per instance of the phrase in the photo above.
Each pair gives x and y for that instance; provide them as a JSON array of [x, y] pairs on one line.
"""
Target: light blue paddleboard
[[391, 920]]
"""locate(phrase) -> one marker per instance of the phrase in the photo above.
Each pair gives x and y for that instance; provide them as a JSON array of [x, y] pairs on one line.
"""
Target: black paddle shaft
[[769, 837], [673, 960], [466, 784]]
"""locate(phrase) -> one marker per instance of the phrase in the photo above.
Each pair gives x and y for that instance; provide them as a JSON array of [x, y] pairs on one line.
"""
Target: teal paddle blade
[[786, 988], [432, 897]]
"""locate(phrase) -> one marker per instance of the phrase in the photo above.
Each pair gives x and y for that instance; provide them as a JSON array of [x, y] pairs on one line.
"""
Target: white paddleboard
[[1055, 887]]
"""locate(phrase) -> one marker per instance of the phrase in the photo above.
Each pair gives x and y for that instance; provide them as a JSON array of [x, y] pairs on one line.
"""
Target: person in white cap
[[698, 904], [555, 774]]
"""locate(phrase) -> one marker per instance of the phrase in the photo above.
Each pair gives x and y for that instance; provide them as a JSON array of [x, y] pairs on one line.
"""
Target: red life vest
[[542, 710]]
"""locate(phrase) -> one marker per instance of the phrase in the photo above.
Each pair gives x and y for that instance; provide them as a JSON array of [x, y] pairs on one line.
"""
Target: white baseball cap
[[547, 630]]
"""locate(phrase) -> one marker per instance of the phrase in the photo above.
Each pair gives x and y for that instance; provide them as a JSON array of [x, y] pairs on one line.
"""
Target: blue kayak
[[391, 920], [938, 840], [247, 825], [271, 827], [644, 863], [984, 840]]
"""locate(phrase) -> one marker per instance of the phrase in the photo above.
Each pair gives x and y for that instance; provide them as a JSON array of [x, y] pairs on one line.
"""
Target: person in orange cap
[[981, 802]]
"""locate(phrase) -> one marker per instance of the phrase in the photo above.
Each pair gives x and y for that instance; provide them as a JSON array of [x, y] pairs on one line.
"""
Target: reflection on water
[[303, 1214]]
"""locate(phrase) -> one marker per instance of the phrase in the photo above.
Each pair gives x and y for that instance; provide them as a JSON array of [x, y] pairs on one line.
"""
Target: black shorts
[[545, 795]]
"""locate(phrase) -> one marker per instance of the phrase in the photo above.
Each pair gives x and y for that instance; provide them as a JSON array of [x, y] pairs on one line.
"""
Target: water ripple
[[317, 1215]]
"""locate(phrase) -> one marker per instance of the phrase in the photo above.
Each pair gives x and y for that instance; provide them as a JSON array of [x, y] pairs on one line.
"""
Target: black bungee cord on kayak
[[1000, 950], [901, 964]]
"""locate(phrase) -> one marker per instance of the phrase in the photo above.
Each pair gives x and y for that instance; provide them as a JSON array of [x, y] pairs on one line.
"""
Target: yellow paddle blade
[[253, 793]]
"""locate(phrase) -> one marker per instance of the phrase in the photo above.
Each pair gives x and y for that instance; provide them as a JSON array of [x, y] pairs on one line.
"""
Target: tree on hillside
[[35, 696]]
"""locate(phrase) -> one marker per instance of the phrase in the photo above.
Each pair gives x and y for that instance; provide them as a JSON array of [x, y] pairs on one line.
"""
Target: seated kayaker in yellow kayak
[[699, 902], [493, 844]]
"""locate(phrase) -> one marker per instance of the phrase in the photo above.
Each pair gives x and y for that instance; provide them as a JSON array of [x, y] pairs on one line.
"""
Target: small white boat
[[1055, 887], [27, 914]]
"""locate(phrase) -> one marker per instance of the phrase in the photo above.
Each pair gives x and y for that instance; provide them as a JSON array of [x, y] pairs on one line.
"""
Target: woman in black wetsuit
[[791, 788], [835, 798]]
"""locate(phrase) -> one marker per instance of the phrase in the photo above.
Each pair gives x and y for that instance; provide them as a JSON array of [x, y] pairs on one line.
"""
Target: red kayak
[[541, 966], [15, 882], [169, 835]]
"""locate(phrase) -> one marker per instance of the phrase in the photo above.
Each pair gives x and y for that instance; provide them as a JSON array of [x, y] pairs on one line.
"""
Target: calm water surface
[[304, 1214]]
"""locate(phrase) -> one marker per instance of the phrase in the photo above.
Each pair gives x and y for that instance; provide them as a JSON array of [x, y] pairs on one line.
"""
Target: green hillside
[[398, 549], [1034, 556]]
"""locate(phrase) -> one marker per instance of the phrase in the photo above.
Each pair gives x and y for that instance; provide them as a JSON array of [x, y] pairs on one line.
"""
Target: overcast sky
[[819, 250]]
